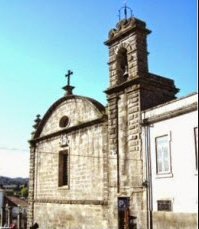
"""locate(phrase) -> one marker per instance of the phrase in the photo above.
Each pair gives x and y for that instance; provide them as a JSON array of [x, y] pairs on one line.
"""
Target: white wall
[[182, 185]]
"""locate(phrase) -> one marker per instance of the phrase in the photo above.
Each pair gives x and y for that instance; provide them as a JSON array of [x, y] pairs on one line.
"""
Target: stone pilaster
[[113, 141], [31, 187], [113, 165], [125, 153], [105, 162]]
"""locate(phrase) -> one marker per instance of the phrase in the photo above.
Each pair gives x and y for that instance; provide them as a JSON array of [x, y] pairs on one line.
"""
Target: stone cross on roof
[[68, 88], [68, 76]]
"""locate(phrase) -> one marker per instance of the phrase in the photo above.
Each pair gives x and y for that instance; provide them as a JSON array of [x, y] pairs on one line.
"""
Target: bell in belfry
[[125, 71]]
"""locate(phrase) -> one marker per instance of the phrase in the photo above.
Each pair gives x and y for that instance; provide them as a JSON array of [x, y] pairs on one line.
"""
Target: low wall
[[170, 220]]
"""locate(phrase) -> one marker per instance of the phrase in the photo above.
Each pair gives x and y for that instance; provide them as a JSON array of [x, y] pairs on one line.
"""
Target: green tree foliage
[[24, 192]]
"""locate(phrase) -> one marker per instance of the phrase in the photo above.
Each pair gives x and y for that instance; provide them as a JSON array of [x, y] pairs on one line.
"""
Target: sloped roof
[[15, 201]]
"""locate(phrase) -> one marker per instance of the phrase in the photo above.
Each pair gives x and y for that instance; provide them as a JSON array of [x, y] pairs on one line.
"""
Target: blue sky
[[41, 40]]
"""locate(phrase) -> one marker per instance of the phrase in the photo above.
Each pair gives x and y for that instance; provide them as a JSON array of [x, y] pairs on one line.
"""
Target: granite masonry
[[86, 160]]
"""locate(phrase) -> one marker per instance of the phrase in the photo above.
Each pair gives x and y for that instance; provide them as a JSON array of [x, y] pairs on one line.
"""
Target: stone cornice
[[41, 124], [124, 28], [75, 202], [146, 81], [122, 86], [70, 129]]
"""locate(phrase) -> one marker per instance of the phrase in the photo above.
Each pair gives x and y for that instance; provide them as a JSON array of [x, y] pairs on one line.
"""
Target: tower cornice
[[149, 81], [124, 28]]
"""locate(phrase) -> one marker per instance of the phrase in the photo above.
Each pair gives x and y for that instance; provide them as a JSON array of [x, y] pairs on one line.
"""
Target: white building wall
[[181, 185]]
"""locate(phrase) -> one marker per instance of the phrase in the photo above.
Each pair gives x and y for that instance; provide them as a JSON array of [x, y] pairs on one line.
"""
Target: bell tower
[[132, 89], [128, 51]]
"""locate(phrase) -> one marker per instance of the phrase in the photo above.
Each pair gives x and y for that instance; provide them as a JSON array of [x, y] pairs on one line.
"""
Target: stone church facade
[[86, 160]]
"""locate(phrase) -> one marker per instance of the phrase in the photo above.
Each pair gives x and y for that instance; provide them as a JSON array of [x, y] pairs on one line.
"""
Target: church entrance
[[125, 220]]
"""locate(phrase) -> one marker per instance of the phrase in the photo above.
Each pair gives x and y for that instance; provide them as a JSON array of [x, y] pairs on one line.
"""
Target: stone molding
[[70, 129], [150, 80], [95, 103], [75, 202]]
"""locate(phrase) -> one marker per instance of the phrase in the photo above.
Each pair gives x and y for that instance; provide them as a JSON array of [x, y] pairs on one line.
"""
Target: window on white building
[[163, 159], [196, 145]]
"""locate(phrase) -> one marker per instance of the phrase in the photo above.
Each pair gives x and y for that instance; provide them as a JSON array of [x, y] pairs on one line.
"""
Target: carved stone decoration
[[64, 140]]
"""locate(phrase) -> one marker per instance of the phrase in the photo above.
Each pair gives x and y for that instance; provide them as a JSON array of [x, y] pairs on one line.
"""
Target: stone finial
[[37, 121], [36, 124], [126, 26]]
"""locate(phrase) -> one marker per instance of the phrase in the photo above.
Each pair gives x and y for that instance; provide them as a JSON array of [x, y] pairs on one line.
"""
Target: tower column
[[127, 46], [31, 187], [132, 89]]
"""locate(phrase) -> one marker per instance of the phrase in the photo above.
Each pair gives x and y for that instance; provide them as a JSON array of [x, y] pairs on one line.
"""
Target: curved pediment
[[68, 112]]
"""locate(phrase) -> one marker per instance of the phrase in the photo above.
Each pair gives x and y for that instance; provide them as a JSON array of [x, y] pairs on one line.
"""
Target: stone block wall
[[105, 159], [74, 216], [156, 90], [83, 201], [124, 113], [78, 110], [131, 35], [126, 166], [86, 171], [87, 188]]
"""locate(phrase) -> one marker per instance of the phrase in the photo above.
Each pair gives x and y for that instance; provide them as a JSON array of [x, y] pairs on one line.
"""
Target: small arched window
[[64, 121], [122, 65]]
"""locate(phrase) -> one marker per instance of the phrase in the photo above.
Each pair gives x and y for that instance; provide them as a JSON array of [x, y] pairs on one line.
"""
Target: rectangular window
[[63, 168], [163, 160], [196, 145], [164, 205]]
